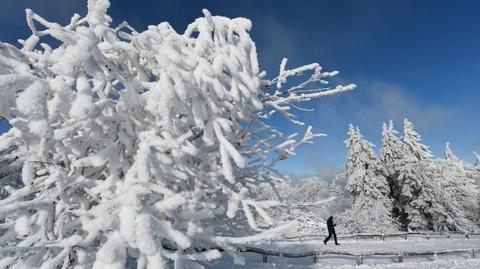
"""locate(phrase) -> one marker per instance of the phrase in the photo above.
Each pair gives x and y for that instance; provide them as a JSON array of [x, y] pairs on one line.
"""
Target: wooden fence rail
[[316, 255], [382, 237], [359, 256]]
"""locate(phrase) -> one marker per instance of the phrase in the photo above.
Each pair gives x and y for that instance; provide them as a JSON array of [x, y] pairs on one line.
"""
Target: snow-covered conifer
[[424, 204], [459, 181], [389, 153], [476, 168], [141, 145], [366, 181], [477, 160], [412, 140]]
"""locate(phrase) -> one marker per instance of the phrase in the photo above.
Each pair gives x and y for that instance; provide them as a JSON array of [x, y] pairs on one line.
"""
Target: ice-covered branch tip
[[281, 99]]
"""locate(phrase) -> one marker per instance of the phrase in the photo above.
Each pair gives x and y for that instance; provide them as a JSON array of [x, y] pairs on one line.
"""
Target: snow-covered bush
[[311, 189], [376, 219], [306, 203], [140, 146]]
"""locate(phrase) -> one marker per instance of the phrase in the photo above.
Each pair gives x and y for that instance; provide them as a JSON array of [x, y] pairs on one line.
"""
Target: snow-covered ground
[[458, 260]]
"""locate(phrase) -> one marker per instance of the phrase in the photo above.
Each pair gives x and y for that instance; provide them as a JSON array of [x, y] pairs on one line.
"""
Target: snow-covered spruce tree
[[459, 181], [389, 153], [140, 146], [367, 185], [476, 165], [424, 203], [476, 168], [391, 158], [476, 176]]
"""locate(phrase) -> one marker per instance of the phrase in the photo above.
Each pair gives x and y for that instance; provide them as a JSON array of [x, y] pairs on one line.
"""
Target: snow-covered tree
[[278, 188], [423, 202], [376, 219], [366, 183], [311, 189], [365, 179], [412, 163], [476, 165], [412, 141], [476, 168], [459, 181], [306, 204], [389, 153], [338, 190], [141, 145]]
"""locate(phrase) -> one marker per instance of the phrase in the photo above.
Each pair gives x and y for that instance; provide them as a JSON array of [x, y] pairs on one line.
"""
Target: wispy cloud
[[378, 101]]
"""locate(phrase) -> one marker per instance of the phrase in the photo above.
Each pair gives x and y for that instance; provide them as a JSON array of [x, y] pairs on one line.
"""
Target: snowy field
[[458, 260]]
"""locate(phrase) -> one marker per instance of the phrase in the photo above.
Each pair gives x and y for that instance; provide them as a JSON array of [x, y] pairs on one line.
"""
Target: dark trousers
[[330, 235]]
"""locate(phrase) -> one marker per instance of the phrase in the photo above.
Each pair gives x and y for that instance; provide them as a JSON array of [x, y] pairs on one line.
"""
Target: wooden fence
[[315, 255], [382, 237], [399, 256]]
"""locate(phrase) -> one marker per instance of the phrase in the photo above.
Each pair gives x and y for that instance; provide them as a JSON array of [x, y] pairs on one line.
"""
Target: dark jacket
[[330, 225]]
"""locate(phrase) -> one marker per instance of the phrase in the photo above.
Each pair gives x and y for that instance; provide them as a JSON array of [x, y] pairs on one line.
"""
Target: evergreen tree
[[459, 181], [367, 183], [424, 204], [389, 153], [476, 168], [477, 160], [391, 157]]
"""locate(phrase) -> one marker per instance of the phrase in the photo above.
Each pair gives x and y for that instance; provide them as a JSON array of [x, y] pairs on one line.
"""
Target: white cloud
[[377, 101]]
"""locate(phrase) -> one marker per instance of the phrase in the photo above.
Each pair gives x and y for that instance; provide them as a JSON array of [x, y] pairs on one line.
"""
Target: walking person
[[331, 231]]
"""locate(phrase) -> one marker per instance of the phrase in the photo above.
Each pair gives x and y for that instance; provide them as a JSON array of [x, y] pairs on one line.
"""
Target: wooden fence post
[[400, 257], [315, 258], [406, 236], [435, 256], [472, 253], [360, 259], [383, 237], [265, 258], [448, 235], [428, 236], [467, 235]]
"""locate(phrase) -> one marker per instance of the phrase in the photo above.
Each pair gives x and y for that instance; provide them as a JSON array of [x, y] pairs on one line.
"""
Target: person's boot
[[337, 244], [325, 242]]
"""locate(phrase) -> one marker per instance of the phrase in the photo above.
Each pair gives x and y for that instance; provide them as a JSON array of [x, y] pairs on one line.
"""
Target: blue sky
[[415, 59]]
